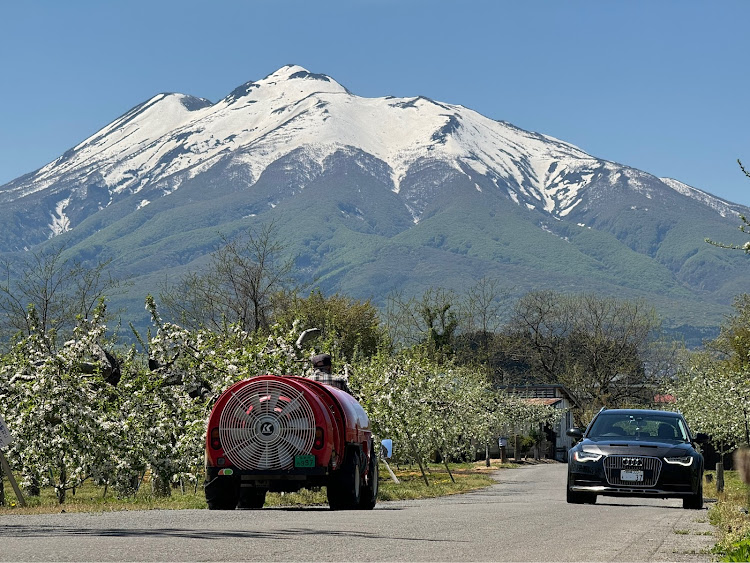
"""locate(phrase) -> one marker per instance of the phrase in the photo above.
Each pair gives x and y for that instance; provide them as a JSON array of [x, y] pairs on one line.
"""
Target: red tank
[[272, 433]]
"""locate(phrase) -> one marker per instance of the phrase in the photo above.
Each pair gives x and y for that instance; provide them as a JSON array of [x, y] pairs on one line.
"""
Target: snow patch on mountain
[[60, 222], [722, 207]]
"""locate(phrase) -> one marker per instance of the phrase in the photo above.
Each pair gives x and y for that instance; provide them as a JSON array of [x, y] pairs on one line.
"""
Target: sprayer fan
[[265, 424]]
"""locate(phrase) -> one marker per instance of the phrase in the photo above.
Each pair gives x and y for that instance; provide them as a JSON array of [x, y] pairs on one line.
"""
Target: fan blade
[[291, 406], [295, 442]]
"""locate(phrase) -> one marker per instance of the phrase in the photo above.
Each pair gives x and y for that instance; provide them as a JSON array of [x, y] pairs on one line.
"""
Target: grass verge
[[730, 517], [91, 498]]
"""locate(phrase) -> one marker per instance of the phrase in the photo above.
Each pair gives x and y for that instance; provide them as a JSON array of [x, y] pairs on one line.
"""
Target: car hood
[[609, 446]]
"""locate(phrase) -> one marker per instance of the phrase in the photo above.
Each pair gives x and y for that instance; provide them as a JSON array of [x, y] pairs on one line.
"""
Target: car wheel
[[369, 493], [344, 486], [252, 498], [580, 498], [694, 501]]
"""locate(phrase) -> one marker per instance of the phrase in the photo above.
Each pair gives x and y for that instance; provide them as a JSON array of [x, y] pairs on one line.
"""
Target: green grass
[[729, 516], [92, 498]]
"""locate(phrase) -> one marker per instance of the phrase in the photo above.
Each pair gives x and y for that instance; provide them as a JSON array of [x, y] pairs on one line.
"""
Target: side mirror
[[386, 448], [576, 433], [701, 438]]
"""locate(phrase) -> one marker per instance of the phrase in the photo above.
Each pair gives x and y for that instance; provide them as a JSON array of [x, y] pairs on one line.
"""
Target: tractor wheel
[[369, 495], [252, 498], [221, 494], [344, 485]]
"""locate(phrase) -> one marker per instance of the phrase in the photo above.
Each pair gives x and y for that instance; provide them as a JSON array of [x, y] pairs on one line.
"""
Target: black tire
[[252, 498], [221, 494], [344, 486], [694, 501], [369, 494], [581, 498]]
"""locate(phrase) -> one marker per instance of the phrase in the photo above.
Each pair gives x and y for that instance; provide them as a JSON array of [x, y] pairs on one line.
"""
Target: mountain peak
[[288, 72], [297, 72], [282, 79]]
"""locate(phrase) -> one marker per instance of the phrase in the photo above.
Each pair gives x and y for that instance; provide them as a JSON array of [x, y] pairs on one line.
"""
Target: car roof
[[641, 412]]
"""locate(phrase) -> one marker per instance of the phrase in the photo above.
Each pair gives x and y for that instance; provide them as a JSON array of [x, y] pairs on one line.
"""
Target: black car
[[635, 453]]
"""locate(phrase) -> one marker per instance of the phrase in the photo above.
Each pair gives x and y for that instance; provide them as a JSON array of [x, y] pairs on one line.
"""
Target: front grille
[[614, 464]]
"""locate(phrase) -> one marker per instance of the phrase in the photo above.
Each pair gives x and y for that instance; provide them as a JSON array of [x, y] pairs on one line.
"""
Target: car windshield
[[639, 426]]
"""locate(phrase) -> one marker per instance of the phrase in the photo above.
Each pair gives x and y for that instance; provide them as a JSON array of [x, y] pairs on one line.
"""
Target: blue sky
[[658, 85]]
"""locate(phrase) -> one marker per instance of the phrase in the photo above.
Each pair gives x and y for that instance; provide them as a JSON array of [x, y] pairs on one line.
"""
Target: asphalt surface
[[524, 517]]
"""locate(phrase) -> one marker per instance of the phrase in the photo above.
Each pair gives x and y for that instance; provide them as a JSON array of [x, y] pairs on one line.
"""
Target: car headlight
[[685, 460], [586, 456]]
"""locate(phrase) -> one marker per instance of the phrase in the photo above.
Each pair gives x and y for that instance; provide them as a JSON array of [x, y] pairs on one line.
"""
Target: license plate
[[634, 476], [304, 461]]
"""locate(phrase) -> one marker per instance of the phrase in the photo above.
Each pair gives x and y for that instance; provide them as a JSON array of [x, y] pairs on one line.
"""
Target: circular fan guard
[[265, 424]]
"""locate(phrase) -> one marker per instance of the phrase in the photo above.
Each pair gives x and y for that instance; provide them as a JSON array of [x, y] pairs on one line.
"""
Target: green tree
[[349, 328], [733, 343], [432, 320]]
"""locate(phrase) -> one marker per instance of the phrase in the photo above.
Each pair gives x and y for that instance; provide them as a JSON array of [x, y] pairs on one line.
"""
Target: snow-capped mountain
[[386, 167], [156, 146]]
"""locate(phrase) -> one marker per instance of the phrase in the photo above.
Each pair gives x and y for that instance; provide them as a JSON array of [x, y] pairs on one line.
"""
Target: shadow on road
[[21, 531]]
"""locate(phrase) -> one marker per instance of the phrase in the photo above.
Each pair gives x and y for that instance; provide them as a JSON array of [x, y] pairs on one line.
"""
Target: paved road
[[522, 518]]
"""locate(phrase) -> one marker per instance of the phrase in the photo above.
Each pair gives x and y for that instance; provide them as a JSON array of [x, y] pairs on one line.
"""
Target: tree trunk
[[34, 489], [61, 490], [419, 462], [448, 469], [160, 485], [424, 475], [720, 477]]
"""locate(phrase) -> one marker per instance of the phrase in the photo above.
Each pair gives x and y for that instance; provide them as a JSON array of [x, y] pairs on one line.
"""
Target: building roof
[[664, 399], [542, 401]]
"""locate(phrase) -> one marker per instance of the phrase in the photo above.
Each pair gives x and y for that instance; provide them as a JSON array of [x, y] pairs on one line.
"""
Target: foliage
[[716, 400], [427, 407], [729, 516], [738, 552], [71, 424], [64, 429], [350, 329], [431, 321], [714, 389]]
